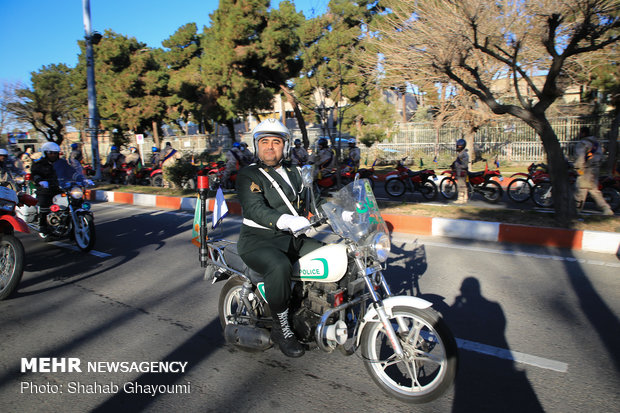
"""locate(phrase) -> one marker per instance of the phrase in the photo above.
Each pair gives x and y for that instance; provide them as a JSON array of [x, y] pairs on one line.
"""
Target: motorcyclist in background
[[460, 167], [7, 171], [134, 162], [246, 155], [155, 157], [76, 153], [323, 159], [354, 156], [299, 154], [45, 177]]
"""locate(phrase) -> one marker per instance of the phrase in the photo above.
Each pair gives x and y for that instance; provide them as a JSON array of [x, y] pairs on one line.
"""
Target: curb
[[593, 241]]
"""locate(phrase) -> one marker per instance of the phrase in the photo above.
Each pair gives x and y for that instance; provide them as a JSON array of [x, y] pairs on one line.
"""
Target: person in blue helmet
[[155, 160], [76, 154]]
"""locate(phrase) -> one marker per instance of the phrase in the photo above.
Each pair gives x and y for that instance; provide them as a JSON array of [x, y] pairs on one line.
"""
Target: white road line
[[512, 355], [522, 254], [74, 248]]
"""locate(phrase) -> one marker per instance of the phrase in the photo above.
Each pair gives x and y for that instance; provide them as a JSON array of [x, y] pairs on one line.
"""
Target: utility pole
[[93, 113]]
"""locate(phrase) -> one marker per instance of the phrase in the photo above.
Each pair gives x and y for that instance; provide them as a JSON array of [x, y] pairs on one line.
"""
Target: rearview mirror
[[306, 176]]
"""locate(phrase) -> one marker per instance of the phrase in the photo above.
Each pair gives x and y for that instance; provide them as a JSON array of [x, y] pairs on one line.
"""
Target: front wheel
[[429, 190], [519, 190], [84, 232], [430, 360], [612, 197], [157, 180], [542, 195], [11, 264], [448, 188], [491, 191], [395, 187]]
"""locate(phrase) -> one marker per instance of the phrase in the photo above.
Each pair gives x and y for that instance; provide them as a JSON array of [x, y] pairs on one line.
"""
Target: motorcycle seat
[[414, 173], [234, 261], [475, 174]]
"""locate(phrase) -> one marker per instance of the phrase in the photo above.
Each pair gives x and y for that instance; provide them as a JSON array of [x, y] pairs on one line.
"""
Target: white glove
[[347, 216], [88, 182], [44, 184], [292, 222]]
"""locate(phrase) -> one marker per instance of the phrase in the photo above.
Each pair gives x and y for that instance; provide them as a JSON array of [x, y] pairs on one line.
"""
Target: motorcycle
[[341, 300], [11, 249], [520, 188], [481, 182], [403, 178], [70, 215]]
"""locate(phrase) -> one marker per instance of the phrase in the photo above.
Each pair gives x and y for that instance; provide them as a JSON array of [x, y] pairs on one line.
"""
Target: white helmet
[[4, 152], [272, 127], [50, 147]]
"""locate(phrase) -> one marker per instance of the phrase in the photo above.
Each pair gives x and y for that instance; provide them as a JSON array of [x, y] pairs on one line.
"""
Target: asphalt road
[[538, 328]]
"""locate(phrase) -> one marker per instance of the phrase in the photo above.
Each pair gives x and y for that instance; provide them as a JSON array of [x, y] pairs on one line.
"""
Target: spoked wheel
[[84, 232], [11, 264], [232, 310], [429, 190], [541, 195], [448, 188], [430, 360], [491, 192], [519, 190], [157, 180], [395, 187]]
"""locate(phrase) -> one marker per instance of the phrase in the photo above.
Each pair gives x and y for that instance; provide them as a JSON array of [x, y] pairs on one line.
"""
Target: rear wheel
[[395, 187], [612, 197], [519, 190], [491, 191], [11, 264]]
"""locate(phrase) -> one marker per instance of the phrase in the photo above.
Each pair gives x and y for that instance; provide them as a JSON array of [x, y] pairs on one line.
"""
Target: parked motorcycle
[[341, 300], [403, 178], [11, 249], [520, 188], [70, 215], [480, 182]]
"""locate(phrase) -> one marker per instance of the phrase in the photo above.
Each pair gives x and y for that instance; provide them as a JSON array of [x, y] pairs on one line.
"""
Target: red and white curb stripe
[[595, 241]]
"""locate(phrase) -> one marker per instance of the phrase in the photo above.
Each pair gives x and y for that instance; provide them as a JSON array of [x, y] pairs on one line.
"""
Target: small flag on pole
[[496, 162], [196, 226], [435, 159], [220, 209]]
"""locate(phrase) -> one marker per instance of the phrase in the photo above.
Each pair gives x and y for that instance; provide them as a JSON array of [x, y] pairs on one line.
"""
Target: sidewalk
[[595, 241]]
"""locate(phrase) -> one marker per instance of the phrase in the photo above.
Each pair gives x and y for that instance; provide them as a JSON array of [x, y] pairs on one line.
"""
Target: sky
[[34, 33]]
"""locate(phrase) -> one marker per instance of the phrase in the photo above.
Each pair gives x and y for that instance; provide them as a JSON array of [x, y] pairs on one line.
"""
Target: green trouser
[[274, 260]]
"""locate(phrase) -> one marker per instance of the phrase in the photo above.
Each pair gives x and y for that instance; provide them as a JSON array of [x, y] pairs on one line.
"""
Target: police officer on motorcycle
[[46, 181], [270, 195]]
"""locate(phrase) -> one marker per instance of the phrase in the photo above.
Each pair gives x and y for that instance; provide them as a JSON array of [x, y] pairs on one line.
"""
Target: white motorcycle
[[341, 300]]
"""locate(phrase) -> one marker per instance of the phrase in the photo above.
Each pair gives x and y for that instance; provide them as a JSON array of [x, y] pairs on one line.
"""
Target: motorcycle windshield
[[353, 212], [68, 174]]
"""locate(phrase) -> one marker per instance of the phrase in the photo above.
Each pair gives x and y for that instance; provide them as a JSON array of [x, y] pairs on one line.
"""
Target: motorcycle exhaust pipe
[[247, 336], [337, 332]]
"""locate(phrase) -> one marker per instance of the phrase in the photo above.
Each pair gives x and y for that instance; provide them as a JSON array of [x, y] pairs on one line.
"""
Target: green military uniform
[[262, 246]]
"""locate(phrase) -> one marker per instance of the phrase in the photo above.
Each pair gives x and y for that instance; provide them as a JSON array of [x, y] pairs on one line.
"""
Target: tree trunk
[[298, 115], [563, 199], [156, 134], [231, 130]]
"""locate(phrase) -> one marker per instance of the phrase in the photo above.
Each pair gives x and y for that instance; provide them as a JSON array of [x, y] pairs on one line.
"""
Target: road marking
[[523, 254], [74, 248], [512, 355]]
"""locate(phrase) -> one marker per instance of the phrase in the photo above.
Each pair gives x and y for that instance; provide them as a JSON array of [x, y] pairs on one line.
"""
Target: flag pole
[[203, 188]]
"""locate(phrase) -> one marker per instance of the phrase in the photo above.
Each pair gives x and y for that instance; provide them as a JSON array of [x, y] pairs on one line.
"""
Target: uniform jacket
[[589, 154], [43, 170], [262, 204]]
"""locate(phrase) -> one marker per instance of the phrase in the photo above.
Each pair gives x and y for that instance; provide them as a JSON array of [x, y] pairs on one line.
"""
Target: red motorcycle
[[481, 182], [403, 178], [11, 249], [520, 188]]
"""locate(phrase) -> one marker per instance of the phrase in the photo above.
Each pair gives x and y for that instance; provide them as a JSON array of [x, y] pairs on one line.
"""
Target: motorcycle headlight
[[76, 192], [381, 246]]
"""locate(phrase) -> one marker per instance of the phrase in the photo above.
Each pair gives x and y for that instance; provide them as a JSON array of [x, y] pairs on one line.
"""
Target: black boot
[[283, 336]]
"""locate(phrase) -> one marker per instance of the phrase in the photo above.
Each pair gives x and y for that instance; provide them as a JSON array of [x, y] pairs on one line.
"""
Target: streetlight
[[93, 115]]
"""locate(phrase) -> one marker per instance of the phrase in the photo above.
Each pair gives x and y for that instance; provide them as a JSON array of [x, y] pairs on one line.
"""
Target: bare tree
[[473, 43]]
